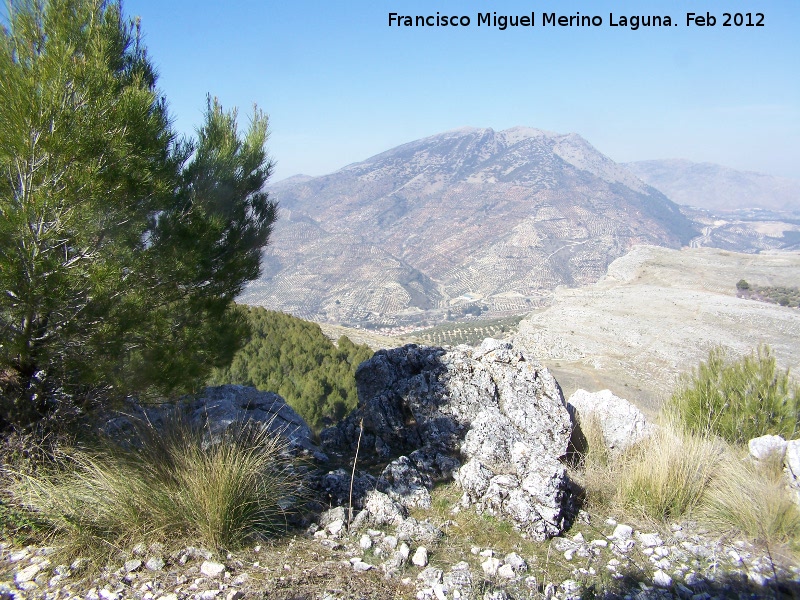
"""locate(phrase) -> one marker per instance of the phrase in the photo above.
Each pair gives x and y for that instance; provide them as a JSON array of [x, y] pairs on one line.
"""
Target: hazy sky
[[340, 85]]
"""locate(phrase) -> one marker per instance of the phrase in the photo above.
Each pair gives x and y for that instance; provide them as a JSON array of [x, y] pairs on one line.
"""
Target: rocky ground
[[605, 559], [463, 491], [656, 314]]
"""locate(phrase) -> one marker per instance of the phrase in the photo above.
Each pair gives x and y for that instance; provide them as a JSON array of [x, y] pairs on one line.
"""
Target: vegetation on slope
[[738, 400], [469, 332], [293, 358], [697, 465], [775, 294]]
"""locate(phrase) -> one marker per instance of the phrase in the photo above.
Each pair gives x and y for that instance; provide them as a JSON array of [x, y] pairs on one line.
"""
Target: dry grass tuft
[[752, 499], [175, 486]]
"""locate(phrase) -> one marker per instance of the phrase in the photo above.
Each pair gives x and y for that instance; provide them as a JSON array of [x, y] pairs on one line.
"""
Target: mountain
[[463, 220], [718, 188]]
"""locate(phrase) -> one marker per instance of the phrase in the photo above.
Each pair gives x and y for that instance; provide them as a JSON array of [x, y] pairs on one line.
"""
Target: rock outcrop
[[621, 423], [494, 409], [217, 409], [773, 448]]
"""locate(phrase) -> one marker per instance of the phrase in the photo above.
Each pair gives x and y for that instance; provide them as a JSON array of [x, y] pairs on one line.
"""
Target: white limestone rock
[[620, 421], [767, 446]]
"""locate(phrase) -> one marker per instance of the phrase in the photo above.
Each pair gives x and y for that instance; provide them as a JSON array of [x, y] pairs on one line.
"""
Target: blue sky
[[340, 85]]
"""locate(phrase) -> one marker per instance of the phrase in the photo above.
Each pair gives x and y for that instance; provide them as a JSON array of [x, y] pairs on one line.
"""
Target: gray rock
[[365, 542], [490, 566], [420, 557], [662, 579], [430, 576], [766, 447], [620, 421], [380, 509], [418, 531], [516, 562], [329, 516], [495, 406], [459, 578], [336, 486], [132, 565], [154, 563], [211, 568], [622, 532], [506, 572], [405, 484], [221, 409], [571, 588], [361, 566], [26, 574]]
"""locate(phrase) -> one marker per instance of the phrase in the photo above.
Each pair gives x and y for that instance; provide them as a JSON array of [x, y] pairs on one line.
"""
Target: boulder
[[767, 447], [493, 408], [621, 423], [216, 410], [792, 463]]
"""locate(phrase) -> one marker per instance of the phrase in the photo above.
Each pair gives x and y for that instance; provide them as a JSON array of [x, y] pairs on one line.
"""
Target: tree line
[[293, 358]]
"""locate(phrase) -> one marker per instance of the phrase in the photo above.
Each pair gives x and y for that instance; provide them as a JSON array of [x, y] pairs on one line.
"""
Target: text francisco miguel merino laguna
[[492, 19]]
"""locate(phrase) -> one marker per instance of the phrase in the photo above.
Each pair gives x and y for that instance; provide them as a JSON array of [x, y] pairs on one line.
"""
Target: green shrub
[[738, 400], [177, 487]]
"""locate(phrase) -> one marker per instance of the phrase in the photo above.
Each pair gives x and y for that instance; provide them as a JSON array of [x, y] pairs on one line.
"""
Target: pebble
[[490, 566], [156, 563], [622, 532], [661, 579], [212, 569], [132, 565], [649, 540], [420, 557]]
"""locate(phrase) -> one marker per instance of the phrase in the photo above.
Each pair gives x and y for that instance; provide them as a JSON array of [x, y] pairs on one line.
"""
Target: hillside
[[718, 188], [656, 314], [471, 217]]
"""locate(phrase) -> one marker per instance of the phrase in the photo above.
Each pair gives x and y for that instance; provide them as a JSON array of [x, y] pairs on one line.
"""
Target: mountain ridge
[[716, 187], [463, 218]]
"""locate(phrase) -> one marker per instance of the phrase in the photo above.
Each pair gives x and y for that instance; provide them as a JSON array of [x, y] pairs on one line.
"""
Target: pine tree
[[121, 247]]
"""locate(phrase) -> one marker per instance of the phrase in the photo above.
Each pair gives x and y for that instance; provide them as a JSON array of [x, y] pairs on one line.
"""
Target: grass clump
[[665, 476], [738, 400], [176, 485], [751, 498]]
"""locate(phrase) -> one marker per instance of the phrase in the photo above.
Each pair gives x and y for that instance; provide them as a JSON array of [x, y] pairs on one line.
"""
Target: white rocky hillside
[[656, 314]]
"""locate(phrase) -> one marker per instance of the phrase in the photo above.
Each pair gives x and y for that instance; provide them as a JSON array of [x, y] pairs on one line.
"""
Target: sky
[[341, 85]]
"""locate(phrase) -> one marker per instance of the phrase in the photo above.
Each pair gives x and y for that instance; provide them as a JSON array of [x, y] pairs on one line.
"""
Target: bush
[[176, 487], [742, 285], [738, 400]]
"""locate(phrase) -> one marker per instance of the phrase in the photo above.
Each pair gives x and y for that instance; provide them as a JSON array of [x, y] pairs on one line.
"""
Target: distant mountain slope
[[656, 314], [714, 187], [467, 216]]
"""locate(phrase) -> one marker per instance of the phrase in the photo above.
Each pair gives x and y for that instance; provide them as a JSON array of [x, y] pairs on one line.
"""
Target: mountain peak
[[468, 218]]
